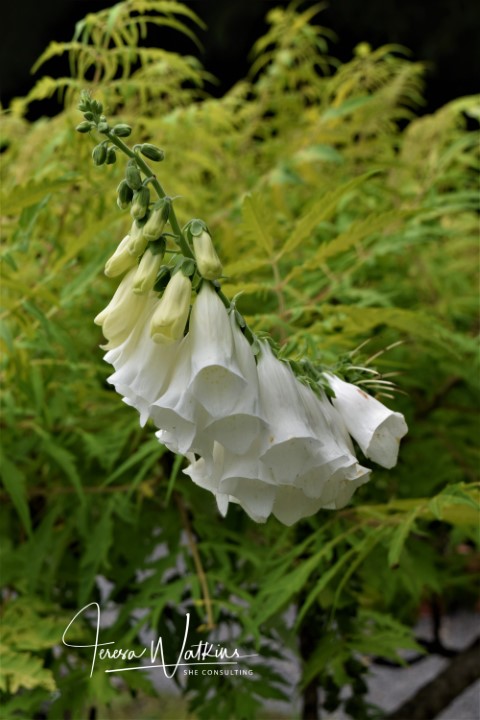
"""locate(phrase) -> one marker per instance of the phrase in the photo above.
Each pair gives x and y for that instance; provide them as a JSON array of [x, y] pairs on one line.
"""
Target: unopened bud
[[121, 260], [99, 154], [156, 222], [133, 177], [84, 127], [103, 127], [147, 271], [111, 156], [122, 130], [171, 314], [152, 152], [89, 116], [140, 203], [124, 195], [137, 242], [208, 262]]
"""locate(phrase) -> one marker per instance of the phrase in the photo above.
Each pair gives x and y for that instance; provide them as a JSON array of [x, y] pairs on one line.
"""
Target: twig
[[202, 578]]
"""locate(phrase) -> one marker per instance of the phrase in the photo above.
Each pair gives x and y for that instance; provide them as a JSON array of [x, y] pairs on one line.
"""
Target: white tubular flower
[[170, 317], [208, 262], [147, 271], [290, 441], [234, 478], [217, 381], [176, 412], [237, 430], [143, 368], [120, 316], [375, 428], [121, 260]]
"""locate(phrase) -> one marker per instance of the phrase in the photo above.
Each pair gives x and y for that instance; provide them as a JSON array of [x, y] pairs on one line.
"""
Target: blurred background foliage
[[343, 219]]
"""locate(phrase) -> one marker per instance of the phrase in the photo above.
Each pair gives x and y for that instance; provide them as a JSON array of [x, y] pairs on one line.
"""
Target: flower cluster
[[254, 434]]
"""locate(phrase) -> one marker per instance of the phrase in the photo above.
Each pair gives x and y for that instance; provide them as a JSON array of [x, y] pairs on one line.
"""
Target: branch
[[433, 697]]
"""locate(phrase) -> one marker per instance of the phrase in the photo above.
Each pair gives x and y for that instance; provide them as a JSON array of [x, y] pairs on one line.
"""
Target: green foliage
[[338, 227]]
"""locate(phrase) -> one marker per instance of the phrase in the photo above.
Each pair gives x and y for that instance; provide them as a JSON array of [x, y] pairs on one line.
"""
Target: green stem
[[182, 241]]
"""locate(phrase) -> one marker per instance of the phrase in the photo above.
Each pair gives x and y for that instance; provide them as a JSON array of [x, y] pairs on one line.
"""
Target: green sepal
[[158, 247], [162, 279], [132, 175], [121, 130], [84, 127], [188, 267], [99, 154], [195, 227], [152, 152]]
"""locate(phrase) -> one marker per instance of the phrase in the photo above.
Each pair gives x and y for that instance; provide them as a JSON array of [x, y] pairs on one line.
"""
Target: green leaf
[[14, 482]]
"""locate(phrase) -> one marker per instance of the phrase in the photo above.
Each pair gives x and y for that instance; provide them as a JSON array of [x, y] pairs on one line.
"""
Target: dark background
[[445, 34]]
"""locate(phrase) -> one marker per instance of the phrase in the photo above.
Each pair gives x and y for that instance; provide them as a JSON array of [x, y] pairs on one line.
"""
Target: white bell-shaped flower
[[217, 381], [120, 316], [375, 428], [237, 430], [290, 443], [235, 478], [177, 411], [142, 368]]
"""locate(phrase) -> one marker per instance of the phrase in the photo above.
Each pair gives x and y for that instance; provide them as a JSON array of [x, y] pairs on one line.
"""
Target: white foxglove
[[120, 316], [217, 381], [290, 442], [237, 430], [375, 428]]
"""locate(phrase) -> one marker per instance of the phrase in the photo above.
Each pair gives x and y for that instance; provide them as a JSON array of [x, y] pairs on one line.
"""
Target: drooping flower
[[119, 317], [216, 380], [375, 428], [170, 317]]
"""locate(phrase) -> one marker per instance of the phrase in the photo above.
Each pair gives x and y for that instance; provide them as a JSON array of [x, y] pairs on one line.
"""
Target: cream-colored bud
[[208, 262], [121, 260], [155, 224], [170, 317], [147, 271], [138, 242]]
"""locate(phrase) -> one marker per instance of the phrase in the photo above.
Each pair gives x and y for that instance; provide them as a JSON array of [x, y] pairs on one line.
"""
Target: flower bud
[[133, 177], [96, 107], [152, 152], [124, 195], [111, 156], [155, 224], [137, 242], [103, 127], [99, 154], [122, 130], [170, 316], [84, 127], [140, 202], [208, 263], [146, 273], [121, 260], [89, 116]]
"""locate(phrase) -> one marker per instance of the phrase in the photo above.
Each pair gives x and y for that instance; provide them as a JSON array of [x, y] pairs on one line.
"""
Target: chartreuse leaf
[[321, 210]]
